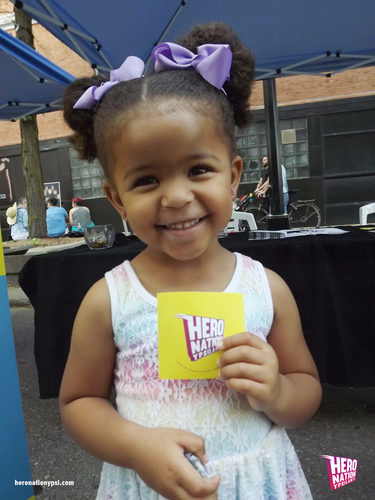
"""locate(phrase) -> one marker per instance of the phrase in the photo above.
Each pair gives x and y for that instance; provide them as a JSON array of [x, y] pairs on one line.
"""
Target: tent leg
[[278, 220]]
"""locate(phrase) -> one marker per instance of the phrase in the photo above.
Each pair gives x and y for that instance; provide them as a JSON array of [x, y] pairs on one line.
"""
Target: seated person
[[18, 219], [57, 218], [79, 216]]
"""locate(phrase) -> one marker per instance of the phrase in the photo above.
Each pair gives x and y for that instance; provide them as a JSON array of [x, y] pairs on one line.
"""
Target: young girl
[[166, 142]]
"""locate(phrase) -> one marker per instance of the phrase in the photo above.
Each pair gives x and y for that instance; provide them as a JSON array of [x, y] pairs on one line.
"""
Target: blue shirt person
[[17, 218], [56, 219]]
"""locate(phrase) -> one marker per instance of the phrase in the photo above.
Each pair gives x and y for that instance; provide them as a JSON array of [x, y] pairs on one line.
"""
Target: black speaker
[[276, 222]]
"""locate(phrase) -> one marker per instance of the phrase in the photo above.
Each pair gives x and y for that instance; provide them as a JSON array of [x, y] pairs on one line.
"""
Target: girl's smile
[[173, 176], [182, 225]]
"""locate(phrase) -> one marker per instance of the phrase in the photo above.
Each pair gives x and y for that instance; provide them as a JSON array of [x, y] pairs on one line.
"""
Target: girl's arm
[[279, 377], [155, 454]]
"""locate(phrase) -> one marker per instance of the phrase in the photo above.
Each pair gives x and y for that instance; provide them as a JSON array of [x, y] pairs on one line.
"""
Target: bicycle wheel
[[304, 215], [260, 216]]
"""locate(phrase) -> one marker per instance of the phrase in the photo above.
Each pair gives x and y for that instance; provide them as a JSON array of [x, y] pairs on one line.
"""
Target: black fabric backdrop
[[332, 279]]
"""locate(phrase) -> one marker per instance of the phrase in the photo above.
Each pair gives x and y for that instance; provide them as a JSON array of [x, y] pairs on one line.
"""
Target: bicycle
[[301, 213]]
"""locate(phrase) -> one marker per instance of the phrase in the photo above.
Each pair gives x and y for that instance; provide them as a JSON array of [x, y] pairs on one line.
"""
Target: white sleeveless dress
[[255, 459]]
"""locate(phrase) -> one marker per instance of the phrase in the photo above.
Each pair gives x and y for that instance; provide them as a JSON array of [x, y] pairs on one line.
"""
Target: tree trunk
[[32, 175], [32, 169]]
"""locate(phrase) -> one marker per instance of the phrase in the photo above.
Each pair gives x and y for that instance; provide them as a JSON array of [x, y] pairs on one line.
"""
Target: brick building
[[327, 139]]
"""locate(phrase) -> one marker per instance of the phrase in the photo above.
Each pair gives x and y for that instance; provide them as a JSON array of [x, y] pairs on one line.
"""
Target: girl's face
[[173, 177]]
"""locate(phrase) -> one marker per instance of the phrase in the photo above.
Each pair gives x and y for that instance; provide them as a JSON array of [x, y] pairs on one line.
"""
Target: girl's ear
[[112, 194], [236, 171]]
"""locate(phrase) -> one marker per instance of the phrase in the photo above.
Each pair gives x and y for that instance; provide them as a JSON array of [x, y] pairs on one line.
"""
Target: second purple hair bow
[[212, 61], [131, 68]]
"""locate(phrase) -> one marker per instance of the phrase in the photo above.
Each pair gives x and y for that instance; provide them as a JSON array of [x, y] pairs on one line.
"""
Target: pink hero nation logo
[[201, 334], [341, 471]]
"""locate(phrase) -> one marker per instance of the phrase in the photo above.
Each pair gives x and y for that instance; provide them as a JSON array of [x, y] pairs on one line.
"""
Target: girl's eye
[[198, 170], [146, 181]]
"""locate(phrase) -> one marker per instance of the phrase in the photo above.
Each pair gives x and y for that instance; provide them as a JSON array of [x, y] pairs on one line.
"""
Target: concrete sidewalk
[[17, 297]]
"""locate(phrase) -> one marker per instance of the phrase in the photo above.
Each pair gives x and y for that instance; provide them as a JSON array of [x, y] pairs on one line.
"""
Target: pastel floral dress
[[255, 459]]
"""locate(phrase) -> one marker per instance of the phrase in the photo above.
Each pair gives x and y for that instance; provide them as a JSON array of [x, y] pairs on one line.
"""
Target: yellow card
[[189, 326]]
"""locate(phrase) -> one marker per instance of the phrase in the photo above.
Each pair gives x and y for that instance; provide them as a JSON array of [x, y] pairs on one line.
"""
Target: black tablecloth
[[332, 278]]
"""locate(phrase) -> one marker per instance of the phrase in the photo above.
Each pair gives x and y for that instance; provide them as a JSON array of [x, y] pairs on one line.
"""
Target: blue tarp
[[287, 37], [29, 82]]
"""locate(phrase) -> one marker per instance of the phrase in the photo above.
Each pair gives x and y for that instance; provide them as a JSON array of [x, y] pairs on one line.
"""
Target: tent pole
[[278, 220]]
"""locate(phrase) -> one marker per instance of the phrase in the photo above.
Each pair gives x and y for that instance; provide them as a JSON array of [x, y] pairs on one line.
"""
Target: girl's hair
[[96, 129]]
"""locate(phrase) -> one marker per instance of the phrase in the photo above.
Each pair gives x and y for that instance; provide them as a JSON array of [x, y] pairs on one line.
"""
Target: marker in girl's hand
[[197, 464]]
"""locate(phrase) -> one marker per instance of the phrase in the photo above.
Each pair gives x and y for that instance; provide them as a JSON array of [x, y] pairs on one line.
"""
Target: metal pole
[[277, 220]]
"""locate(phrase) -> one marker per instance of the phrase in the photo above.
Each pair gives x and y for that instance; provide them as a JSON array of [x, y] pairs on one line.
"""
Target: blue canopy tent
[[287, 38], [29, 82], [292, 37]]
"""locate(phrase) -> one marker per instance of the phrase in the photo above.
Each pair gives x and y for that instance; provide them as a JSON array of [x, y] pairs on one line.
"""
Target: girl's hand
[[160, 462], [250, 366]]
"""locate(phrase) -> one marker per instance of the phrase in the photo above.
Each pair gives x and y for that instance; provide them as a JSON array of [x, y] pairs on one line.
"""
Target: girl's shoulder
[[247, 265], [282, 296], [119, 272], [95, 307], [98, 292], [277, 284], [251, 266], [252, 274]]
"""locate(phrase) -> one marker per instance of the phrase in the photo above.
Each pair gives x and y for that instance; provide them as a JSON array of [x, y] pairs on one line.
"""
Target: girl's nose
[[176, 194]]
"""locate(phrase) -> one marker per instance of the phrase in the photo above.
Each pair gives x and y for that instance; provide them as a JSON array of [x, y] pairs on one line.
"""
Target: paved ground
[[341, 427]]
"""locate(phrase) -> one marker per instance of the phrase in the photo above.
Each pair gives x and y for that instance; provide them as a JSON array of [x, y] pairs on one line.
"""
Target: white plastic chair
[[364, 212], [236, 217]]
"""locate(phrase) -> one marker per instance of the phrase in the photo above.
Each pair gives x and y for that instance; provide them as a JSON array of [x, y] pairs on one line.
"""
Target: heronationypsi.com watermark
[[341, 471], [38, 482]]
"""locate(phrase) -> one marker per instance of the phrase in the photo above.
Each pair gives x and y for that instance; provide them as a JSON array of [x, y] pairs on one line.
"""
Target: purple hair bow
[[212, 62], [131, 68]]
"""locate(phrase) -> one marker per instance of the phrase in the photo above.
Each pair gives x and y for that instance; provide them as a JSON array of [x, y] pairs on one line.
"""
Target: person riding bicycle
[[264, 181], [264, 189], [263, 185]]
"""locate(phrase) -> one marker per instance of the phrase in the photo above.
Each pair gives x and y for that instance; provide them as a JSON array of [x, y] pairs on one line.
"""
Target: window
[[87, 178], [251, 145]]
